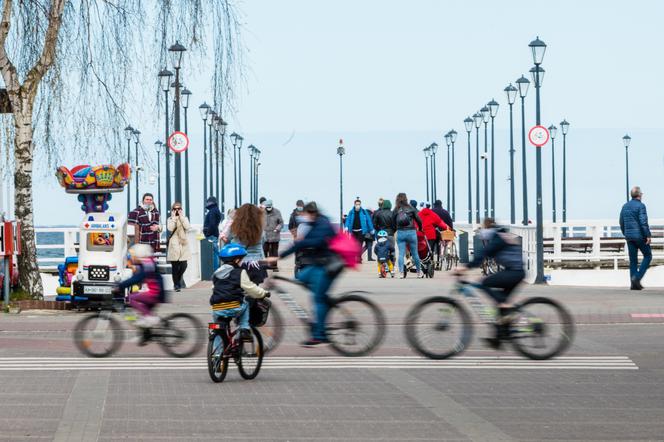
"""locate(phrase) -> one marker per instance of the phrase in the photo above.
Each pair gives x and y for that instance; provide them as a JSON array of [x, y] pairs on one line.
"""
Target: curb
[[37, 305]]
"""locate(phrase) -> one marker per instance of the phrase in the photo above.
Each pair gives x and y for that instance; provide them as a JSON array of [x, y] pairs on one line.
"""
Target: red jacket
[[430, 221]]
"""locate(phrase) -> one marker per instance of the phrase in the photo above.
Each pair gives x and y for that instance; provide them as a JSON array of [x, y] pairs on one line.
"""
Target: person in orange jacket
[[431, 221]]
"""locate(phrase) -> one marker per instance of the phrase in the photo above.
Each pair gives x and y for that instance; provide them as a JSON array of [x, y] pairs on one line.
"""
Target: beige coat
[[178, 247]]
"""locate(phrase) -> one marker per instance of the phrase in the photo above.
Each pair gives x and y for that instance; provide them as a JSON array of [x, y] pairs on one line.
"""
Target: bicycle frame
[[217, 328], [485, 312]]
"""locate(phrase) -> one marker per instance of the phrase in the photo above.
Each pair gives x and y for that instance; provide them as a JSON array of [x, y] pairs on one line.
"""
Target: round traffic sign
[[178, 142], [538, 136]]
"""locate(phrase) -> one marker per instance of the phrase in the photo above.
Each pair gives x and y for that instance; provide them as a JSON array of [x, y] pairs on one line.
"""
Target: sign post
[[538, 136], [178, 142]]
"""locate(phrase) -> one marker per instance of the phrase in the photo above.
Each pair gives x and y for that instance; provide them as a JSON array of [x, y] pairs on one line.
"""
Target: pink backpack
[[344, 245]]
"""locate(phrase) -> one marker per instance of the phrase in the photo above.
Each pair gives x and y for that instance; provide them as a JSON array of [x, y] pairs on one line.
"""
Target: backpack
[[404, 218], [347, 248]]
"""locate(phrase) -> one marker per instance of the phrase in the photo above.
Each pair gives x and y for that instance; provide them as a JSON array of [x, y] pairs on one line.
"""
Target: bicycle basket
[[448, 235], [258, 312]]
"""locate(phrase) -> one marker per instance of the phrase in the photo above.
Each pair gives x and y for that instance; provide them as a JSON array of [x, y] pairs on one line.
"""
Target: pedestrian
[[443, 214], [225, 227], [273, 225], [383, 220], [634, 226], [431, 223], [211, 227], [405, 218], [369, 239], [247, 231], [177, 245], [145, 219], [358, 223], [293, 220]]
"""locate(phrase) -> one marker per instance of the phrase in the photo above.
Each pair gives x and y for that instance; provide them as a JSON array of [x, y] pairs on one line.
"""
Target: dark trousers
[[359, 237], [271, 249], [633, 247], [368, 246], [177, 272], [506, 281]]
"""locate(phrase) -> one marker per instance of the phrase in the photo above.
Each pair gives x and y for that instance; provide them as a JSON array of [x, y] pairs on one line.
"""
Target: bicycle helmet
[[230, 252], [140, 251], [381, 234]]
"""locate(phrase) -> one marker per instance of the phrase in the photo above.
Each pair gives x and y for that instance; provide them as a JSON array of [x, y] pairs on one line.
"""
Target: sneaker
[[392, 274], [142, 338], [246, 335], [314, 342], [636, 284], [403, 275], [370, 259], [420, 274], [152, 320]]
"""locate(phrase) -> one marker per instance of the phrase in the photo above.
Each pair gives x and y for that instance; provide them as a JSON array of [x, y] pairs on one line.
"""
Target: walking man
[[358, 223], [634, 226], [145, 219], [273, 225]]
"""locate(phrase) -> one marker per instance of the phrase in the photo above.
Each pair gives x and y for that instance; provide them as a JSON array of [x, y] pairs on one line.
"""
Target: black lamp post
[[485, 118], [221, 132], [129, 131], [217, 160], [553, 131], [158, 145], [204, 109], [165, 83], [434, 181], [137, 138], [477, 118], [239, 168], [493, 111], [341, 151], [511, 92], [211, 152], [626, 141], [256, 187], [564, 127], [257, 155], [252, 168], [176, 52], [453, 136], [538, 48], [186, 93], [522, 84], [449, 143], [426, 162], [468, 123]]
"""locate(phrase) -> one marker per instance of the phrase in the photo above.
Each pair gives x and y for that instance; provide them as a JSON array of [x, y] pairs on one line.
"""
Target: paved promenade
[[607, 387]]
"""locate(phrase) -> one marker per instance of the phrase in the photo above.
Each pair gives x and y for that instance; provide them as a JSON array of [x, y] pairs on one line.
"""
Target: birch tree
[[70, 68]]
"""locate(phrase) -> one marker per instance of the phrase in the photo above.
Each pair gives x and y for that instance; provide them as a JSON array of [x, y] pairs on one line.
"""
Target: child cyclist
[[231, 284], [384, 250]]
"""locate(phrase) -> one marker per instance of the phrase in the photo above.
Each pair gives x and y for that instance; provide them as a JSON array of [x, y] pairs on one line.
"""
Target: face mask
[[269, 209], [299, 209], [357, 207], [302, 219], [147, 206]]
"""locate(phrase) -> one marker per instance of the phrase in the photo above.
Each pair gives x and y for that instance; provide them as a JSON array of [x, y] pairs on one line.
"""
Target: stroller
[[426, 255]]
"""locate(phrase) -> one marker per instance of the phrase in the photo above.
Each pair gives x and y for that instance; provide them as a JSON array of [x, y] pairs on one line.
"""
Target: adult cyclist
[[314, 257], [504, 247]]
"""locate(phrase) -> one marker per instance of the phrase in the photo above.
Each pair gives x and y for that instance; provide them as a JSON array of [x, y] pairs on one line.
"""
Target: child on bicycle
[[384, 250], [231, 285], [504, 247]]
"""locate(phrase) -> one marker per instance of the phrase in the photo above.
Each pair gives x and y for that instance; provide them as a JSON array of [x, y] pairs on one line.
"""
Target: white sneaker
[[152, 320], [142, 322], [420, 274]]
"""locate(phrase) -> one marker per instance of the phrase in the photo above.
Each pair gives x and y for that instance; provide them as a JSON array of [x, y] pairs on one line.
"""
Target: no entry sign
[[538, 136], [178, 142]]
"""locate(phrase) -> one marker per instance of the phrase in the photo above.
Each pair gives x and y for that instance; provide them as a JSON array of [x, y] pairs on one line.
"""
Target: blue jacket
[[503, 247], [634, 220], [365, 221]]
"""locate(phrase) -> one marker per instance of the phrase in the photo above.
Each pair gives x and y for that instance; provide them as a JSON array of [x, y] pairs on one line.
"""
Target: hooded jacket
[[212, 218], [429, 223], [383, 219], [444, 215]]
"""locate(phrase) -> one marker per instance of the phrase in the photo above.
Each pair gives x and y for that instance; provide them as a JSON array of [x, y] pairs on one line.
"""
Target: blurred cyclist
[[504, 247]]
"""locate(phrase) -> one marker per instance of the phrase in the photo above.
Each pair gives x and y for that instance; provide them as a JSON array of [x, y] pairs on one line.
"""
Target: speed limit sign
[[538, 136], [178, 142]]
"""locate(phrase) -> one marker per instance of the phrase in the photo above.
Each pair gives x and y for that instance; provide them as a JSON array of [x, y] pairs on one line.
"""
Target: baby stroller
[[426, 257]]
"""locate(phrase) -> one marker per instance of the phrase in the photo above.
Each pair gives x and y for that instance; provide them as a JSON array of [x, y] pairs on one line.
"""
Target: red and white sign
[[10, 238], [538, 136], [178, 142]]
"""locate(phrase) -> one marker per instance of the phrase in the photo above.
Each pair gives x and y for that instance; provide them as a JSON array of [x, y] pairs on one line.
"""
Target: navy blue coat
[[634, 220]]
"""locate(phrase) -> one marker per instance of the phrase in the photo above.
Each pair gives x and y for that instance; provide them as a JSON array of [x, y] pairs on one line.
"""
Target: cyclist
[[315, 255], [504, 247]]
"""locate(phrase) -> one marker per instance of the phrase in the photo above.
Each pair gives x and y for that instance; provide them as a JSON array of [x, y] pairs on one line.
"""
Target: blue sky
[[391, 77]]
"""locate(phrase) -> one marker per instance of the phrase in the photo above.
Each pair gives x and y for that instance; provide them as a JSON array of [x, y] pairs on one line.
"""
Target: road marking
[[647, 315], [323, 362]]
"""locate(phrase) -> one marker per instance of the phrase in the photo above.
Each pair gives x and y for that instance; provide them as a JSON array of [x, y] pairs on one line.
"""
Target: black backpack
[[404, 218]]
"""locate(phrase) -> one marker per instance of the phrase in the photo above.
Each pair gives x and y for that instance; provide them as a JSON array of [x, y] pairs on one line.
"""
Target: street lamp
[[176, 52], [137, 138], [252, 168], [449, 143], [341, 151], [553, 131], [186, 93], [129, 131], [222, 132], [427, 154], [626, 140], [204, 109], [219, 159], [485, 118], [434, 186], [523, 83], [453, 137], [239, 169], [564, 127], [158, 145], [235, 139], [511, 92], [214, 154], [468, 123], [257, 155], [538, 49], [493, 111], [477, 119], [256, 187], [165, 83]]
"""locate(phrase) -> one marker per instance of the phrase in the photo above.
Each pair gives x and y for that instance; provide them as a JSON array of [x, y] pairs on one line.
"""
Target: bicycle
[[349, 315], [100, 335], [384, 267], [450, 256], [441, 327], [224, 343]]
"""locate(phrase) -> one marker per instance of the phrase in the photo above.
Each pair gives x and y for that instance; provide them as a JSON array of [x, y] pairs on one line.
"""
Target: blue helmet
[[381, 234], [231, 252]]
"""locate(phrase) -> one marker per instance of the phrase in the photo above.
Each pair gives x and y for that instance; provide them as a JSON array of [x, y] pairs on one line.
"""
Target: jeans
[[241, 313], [633, 247], [317, 280], [408, 237], [215, 256]]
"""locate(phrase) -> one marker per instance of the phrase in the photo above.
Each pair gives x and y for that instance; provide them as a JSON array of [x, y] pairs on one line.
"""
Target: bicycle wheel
[[438, 327], [273, 330], [541, 328], [217, 361], [180, 335], [250, 355], [98, 335], [355, 325], [452, 258]]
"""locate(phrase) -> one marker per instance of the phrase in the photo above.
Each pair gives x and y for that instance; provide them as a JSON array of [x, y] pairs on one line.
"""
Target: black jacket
[[212, 218], [444, 215], [383, 219], [227, 286]]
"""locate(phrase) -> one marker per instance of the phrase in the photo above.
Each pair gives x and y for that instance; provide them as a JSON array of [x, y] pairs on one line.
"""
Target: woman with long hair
[[405, 217], [247, 231]]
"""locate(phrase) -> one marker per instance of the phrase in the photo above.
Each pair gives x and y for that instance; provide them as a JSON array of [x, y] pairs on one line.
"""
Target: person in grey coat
[[273, 225], [634, 226]]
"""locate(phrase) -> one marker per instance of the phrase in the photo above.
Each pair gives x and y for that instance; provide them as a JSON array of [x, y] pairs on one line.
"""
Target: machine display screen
[[100, 241]]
